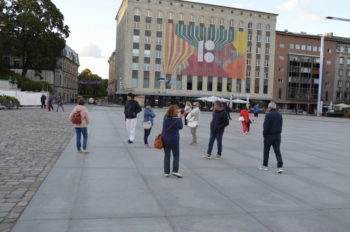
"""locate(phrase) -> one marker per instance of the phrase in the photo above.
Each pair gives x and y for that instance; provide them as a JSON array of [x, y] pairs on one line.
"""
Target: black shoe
[[129, 141]]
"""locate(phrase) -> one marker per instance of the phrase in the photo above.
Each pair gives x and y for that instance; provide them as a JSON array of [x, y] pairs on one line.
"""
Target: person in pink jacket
[[81, 129], [245, 114]]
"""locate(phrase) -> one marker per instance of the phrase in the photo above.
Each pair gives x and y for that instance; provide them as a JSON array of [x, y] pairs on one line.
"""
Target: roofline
[[304, 35], [205, 4]]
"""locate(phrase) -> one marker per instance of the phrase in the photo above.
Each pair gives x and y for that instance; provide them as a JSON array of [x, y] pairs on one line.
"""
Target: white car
[[91, 101]]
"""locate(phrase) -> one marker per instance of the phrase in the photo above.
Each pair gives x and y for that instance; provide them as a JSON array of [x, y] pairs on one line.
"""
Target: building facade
[[342, 77], [172, 49], [66, 75], [112, 80], [297, 71]]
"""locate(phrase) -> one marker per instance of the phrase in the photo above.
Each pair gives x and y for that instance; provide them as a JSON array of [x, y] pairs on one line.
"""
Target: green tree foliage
[[28, 85], [92, 90], [34, 31]]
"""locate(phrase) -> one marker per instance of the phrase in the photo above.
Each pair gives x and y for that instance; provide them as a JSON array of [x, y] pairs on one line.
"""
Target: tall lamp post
[[319, 103]]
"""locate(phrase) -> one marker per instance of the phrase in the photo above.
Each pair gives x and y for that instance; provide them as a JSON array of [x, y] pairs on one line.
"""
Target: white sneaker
[[84, 151], [280, 171], [167, 175], [263, 168], [217, 157], [207, 157], [178, 175]]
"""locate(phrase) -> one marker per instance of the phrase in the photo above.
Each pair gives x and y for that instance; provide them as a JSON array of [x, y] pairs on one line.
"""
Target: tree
[[36, 32], [92, 85]]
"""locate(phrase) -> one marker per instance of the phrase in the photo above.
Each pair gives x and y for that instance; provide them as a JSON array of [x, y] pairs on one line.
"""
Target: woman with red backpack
[[80, 119]]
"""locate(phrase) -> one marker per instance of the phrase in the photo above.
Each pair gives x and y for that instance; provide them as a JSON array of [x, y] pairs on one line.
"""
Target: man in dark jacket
[[43, 100], [132, 108], [217, 127], [272, 137]]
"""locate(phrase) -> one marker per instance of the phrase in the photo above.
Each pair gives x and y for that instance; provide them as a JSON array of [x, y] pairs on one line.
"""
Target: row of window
[[341, 60], [347, 84], [343, 49], [343, 96], [341, 72], [177, 83], [303, 47]]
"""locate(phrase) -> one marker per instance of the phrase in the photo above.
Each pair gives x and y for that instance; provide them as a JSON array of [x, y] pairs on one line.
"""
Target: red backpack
[[76, 118]]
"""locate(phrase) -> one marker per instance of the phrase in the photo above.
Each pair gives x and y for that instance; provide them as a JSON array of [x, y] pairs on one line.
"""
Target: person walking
[[171, 140], [49, 102], [132, 108], [80, 119], [43, 100], [217, 127], [246, 120], [193, 122], [148, 116], [272, 137], [59, 103], [256, 111], [187, 110]]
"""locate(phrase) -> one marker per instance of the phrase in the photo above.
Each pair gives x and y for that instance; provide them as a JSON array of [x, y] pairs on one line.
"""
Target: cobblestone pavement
[[31, 140]]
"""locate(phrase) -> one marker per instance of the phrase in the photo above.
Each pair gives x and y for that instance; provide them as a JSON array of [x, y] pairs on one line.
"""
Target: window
[[249, 49], [136, 32], [348, 61], [148, 33], [258, 38], [303, 47], [258, 49], [257, 74], [189, 82], [135, 79], [281, 45], [309, 48], [135, 52], [158, 67], [219, 84], [314, 48], [281, 57], [267, 63], [266, 75], [157, 81], [201, 19], [222, 22], [192, 18], [232, 23], [340, 84], [210, 84], [199, 83], [258, 27], [239, 86], [347, 84], [135, 66], [257, 85], [268, 27], [348, 73], [249, 61], [168, 81], [159, 41], [291, 46], [229, 85], [136, 39], [146, 67], [158, 54], [268, 40], [267, 50], [212, 21], [250, 25], [241, 25], [147, 53], [341, 72], [341, 60], [280, 93], [146, 80], [297, 46], [247, 85], [250, 37], [266, 86]]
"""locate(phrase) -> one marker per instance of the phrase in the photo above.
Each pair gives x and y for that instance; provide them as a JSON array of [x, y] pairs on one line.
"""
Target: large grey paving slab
[[42, 226]]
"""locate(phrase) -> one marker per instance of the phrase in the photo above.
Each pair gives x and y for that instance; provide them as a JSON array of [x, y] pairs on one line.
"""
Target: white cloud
[[98, 66], [312, 17], [90, 50], [289, 5]]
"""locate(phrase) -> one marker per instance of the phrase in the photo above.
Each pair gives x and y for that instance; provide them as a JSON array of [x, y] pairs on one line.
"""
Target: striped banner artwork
[[201, 51]]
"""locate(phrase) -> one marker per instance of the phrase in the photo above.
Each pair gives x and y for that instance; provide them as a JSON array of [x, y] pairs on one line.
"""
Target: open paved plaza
[[120, 187]]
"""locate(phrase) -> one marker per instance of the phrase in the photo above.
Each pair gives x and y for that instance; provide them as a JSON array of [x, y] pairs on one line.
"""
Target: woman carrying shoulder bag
[[171, 140]]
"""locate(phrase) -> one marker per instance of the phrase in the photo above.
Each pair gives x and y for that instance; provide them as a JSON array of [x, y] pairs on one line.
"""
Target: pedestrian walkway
[[120, 187]]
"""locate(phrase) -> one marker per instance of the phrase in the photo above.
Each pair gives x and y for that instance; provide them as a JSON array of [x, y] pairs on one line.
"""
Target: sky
[[93, 26]]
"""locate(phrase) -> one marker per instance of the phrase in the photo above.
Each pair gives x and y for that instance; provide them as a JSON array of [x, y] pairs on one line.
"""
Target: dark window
[[279, 93], [146, 79], [247, 85], [170, 21], [229, 85], [158, 60], [192, 23], [135, 73], [147, 60], [189, 82], [179, 82], [147, 47], [181, 22], [136, 46], [136, 32], [219, 84], [159, 21], [168, 81], [158, 47], [202, 25], [137, 18], [156, 81], [200, 83], [257, 85], [210, 84], [159, 34], [148, 20], [148, 33], [135, 59], [266, 86], [239, 86]]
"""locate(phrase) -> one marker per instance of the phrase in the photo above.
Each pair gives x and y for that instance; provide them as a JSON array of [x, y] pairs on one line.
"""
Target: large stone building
[[297, 70], [112, 80], [172, 50], [342, 77], [64, 79]]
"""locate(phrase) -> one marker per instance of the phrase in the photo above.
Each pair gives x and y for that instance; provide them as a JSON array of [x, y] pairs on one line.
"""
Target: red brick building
[[297, 69]]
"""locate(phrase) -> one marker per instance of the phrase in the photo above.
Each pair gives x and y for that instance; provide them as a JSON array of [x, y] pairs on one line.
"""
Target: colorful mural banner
[[201, 51]]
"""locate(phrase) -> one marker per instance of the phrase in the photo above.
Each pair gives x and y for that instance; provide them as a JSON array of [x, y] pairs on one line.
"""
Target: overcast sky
[[92, 23]]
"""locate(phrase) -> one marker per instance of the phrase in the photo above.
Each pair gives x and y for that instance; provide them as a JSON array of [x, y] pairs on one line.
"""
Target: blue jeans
[[80, 131], [175, 148], [58, 106], [147, 133], [218, 137]]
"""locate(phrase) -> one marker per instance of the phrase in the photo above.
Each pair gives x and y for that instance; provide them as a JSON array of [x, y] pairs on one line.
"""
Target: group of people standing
[[175, 119], [49, 103]]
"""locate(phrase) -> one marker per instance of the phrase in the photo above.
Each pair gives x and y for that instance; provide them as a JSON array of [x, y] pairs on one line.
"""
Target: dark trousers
[[168, 148], [42, 105], [218, 137], [145, 137], [79, 132], [275, 143], [51, 107]]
